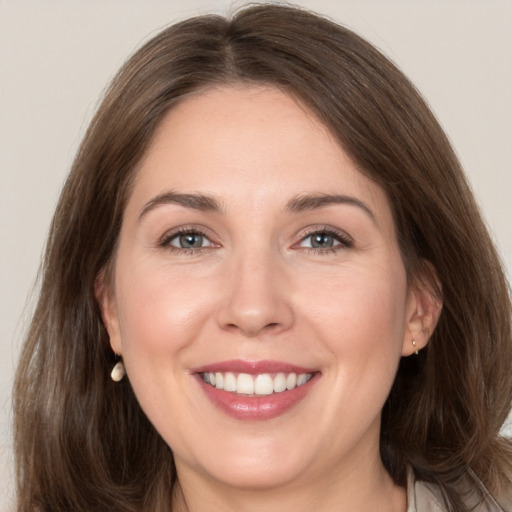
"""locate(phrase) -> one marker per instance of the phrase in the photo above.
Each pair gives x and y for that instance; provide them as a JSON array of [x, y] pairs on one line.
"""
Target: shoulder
[[422, 496], [427, 497]]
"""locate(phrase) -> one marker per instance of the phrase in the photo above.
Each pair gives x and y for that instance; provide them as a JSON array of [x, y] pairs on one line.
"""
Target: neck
[[358, 489]]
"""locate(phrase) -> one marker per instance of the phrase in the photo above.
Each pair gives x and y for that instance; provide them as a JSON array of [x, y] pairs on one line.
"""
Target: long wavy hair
[[83, 443]]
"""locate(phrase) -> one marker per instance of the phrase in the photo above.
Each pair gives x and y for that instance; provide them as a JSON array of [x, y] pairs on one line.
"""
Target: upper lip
[[252, 367]]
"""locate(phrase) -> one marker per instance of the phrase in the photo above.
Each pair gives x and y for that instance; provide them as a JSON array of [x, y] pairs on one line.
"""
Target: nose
[[255, 297]]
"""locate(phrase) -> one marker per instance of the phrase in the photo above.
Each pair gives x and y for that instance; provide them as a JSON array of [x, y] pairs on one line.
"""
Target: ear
[[105, 296], [423, 308]]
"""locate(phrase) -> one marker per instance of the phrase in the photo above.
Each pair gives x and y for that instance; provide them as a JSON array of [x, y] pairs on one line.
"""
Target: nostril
[[253, 313], [252, 330]]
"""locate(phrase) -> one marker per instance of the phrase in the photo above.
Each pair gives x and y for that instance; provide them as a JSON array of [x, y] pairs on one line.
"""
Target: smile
[[260, 385], [255, 390]]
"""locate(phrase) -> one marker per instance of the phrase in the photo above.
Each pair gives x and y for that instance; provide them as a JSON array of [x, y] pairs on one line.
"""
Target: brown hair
[[82, 441]]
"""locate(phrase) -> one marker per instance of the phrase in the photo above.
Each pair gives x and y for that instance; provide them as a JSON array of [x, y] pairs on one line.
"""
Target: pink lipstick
[[255, 390]]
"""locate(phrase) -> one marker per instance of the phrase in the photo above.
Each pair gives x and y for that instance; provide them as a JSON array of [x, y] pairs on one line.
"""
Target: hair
[[82, 441]]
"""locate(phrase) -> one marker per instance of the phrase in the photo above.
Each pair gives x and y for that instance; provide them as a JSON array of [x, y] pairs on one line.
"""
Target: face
[[259, 298]]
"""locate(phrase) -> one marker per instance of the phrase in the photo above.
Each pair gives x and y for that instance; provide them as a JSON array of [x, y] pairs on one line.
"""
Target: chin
[[250, 465], [255, 476]]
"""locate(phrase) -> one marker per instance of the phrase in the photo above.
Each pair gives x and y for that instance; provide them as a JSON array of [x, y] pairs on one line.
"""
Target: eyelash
[[165, 242], [345, 242]]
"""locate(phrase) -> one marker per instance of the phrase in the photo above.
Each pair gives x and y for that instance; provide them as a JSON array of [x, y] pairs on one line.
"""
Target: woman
[[267, 287]]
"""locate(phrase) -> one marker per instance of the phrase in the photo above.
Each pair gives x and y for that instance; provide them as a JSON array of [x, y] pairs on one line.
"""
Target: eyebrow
[[191, 201], [301, 203], [309, 202]]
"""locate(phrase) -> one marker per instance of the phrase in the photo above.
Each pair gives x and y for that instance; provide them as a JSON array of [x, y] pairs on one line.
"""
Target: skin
[[257, 291]]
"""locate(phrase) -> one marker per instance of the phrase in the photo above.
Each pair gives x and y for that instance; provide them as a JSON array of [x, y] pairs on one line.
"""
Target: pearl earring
[[415, 347], [118, 372]]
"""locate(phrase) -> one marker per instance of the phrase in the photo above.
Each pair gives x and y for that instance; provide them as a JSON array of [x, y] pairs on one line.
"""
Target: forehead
[[241, 119], [246, 145]]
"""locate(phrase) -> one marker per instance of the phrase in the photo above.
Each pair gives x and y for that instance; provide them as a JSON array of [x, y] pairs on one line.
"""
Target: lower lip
[[246, 407]]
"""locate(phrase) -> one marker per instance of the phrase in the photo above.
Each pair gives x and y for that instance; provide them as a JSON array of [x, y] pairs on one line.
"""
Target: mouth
[[263, 384], [255, 390]]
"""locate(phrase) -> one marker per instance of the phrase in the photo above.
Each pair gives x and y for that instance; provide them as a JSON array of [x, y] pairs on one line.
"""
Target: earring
[[118, 372], [415, 347]]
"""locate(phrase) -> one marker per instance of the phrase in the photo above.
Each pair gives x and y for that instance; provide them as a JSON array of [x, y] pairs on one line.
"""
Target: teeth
[[245, 384], [230, 382], [291, 381], [262, 384], [302, 379], [280, 382]]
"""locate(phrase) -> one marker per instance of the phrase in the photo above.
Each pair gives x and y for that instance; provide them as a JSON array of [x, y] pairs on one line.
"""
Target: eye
[[186, 240], [320, 241], [325, 240], [189, 241]]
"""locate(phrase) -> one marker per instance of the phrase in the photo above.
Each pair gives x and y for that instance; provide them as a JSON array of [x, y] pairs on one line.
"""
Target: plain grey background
[[56, 56]]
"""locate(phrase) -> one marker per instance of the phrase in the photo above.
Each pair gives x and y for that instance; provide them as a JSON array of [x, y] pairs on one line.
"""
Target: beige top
[[425, 497]]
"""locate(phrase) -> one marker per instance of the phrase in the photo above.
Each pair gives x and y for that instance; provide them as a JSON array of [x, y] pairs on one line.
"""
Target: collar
[[427, 497]]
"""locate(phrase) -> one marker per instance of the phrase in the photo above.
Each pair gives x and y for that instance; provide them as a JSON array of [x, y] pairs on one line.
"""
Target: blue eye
[[325, 240], [321, 241], [186, 240]]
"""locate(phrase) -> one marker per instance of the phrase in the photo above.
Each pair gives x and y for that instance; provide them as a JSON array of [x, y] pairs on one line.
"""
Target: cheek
[[360, 312], [160, 310], [359, 318], [161, 313]]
